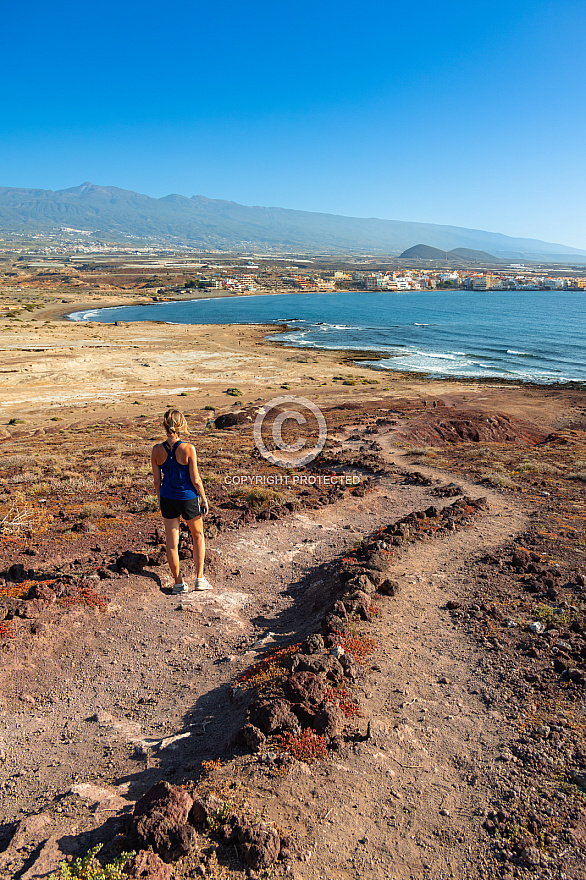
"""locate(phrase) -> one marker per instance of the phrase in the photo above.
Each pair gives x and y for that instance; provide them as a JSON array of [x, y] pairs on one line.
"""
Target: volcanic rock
[[147, 865], [160, 821], [132, 562], [253, 737], [259, 844], [313, 644], [205, 807], [304, 687], [329, 721], [273, 716]]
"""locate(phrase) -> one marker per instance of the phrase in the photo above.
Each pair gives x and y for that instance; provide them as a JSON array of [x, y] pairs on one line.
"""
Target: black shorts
[[172, 508]]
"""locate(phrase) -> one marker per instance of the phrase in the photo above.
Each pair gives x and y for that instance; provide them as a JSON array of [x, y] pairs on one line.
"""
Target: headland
[[450, 577]]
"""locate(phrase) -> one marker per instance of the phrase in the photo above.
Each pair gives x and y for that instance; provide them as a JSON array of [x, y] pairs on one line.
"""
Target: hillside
[[114, 214], [425, 252], [474, 256], [461, 255]]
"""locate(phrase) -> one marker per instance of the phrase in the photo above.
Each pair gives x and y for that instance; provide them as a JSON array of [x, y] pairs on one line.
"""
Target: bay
[[527, 336]]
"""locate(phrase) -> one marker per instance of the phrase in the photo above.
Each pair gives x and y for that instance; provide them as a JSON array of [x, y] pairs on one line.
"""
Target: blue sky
[[469, 114]]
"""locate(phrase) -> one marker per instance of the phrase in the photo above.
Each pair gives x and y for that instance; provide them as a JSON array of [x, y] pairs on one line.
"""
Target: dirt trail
[[408, 802], [101, 700]]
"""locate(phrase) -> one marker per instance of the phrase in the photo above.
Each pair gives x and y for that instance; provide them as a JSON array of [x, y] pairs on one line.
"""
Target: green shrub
[[89, 868]]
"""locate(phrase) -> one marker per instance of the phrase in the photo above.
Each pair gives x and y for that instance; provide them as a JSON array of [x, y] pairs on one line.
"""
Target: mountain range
[[117, 215]]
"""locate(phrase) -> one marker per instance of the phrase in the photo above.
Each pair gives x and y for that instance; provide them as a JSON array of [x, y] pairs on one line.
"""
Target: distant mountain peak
[[117, 215]]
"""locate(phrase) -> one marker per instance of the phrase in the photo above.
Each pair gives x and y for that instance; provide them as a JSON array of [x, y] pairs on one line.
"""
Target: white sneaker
[[180, 588], [202, 584]]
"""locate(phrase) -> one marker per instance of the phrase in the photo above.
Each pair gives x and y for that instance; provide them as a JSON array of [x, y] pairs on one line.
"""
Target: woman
[[181, 494]]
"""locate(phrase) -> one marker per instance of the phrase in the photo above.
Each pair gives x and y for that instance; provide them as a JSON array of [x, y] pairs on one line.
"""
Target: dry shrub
[[39, 489], [84, 596], [15, 522], [259, 498], [497, 479], [267, 670], [7, 630], [423, 452], [94, 510], [19, 521], [151, 502], [16, 460], [121, 481], [30, 476], [76, 485], [578, 476], [357, 645], [539, 467]]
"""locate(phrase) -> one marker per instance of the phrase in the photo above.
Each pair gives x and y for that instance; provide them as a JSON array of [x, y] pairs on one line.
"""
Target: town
[[72, 261]]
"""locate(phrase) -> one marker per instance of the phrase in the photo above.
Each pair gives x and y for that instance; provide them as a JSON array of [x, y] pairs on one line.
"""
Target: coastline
[[364, 357], [53, 369]]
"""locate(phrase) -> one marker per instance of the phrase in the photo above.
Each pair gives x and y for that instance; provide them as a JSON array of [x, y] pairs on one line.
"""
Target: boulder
[[290, 849], [159, 821], [388, 587], [313, 644], [304, 712], [259, 844], [378, 561], [232, 419], [227, 420], [358, 603], [253, 737], [521, 559], [31, 608], [350, 667], [273, 716], [156, 557], [205, 807], [9, 607], [531, 856], [44, 592], [17, 573], [362, 582], [132, 562], [304, 687], [319, 663], [333, 623], [329, 721], [147, 865]]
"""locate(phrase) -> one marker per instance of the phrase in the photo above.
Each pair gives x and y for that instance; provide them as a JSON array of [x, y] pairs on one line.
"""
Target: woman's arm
[[156, 472], [196, 479]]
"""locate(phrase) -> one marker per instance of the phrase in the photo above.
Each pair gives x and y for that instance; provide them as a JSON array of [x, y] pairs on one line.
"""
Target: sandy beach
[[51, 367]]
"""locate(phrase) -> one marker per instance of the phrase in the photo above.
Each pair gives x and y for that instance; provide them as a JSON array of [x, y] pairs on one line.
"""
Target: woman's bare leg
[[172, 547], [199, 546]]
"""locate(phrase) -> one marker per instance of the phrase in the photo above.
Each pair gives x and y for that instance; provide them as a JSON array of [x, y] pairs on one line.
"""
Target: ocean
[[526, 336]]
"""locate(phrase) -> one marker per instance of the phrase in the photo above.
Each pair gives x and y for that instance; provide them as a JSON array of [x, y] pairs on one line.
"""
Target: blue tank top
[[176, 482]]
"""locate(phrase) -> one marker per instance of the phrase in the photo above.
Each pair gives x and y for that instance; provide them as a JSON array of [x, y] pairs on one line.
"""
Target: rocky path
[[118, 700], [408, 801]]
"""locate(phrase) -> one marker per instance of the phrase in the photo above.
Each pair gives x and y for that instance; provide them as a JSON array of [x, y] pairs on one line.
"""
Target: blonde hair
[[174, 421]]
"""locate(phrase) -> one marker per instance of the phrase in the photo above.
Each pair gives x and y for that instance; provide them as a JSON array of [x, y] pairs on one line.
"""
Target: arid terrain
[[387, 680]]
